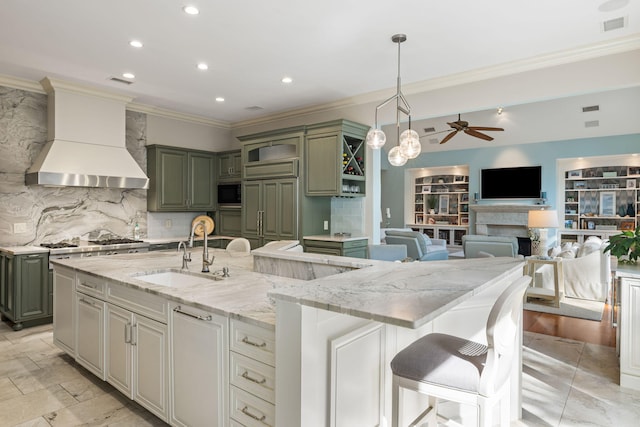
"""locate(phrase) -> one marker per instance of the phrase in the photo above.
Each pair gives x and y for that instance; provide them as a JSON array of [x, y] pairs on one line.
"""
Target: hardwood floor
[[589, 331]]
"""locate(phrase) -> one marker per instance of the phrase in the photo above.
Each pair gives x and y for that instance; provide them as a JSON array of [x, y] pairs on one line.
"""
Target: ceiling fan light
[[396, 158], [376, 138]]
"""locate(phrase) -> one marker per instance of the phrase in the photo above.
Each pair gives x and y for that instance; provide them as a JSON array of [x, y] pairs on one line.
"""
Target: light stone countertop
[[401, 294], [23, 250], [332, 238], [242, 296], [631, 271]]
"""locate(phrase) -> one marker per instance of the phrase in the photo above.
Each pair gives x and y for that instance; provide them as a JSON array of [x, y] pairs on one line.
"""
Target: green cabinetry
[[180, 180], [25, 290], [351, 247], [229, 166], [335, 159], [229, 221]]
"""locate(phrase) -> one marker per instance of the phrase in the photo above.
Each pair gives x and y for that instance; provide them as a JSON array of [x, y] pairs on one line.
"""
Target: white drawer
[[139, 302], [253, 341], [255, 377], [91, 285], [250, 411]]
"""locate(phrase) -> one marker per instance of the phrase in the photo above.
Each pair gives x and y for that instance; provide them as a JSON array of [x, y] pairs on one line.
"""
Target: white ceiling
[[333, 49]]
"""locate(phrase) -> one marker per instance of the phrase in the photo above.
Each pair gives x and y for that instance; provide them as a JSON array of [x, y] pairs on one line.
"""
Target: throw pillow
[[590, 246], [567, 254], [555, 251]]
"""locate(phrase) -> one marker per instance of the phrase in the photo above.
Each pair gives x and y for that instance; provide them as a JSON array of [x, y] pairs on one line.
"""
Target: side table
[[555, 295]]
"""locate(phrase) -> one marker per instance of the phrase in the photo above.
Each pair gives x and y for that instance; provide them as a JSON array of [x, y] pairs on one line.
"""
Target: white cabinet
[[630, 333], [64, 303], [137, 349], [198, 367], [90, 333], [252, 375]]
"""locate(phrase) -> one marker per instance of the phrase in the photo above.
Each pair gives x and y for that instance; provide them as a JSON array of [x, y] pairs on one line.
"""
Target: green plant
[[432, 201], [626, 244]]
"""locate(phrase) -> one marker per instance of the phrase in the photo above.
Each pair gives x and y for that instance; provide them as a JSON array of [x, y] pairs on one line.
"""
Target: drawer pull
[[87, 302], [208, 318], [88, 285], [246, 375], [245, 411], [246, 340]]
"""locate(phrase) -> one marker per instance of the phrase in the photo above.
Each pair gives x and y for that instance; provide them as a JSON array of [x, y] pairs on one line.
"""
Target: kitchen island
[[338, 322]]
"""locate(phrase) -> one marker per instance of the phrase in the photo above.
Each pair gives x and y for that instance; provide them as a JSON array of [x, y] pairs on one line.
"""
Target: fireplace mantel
[[503, 220]]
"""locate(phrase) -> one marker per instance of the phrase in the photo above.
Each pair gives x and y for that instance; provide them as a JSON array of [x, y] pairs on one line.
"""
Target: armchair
[[478, 246], [419, 246]]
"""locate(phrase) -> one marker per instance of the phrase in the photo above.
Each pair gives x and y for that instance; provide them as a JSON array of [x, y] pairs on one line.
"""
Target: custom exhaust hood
[[86, 141]]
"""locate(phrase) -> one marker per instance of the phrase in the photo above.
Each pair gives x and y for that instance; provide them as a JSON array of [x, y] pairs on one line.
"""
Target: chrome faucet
[[186, 257], [205, 253]]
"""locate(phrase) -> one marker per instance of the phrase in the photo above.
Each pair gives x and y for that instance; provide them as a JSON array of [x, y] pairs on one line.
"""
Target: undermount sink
[[174, 278]]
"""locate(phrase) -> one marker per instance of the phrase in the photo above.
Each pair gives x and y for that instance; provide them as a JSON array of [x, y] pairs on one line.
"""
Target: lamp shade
[[543, 219]]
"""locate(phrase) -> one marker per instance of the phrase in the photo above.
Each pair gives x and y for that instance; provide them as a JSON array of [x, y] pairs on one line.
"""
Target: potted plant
[[432, 201], [625, 246]]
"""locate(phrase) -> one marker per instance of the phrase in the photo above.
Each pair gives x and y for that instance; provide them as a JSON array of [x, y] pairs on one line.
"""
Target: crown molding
[[191, 118], [17, 83]]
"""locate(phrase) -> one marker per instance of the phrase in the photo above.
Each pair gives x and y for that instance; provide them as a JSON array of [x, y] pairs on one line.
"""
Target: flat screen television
[[511, 183]]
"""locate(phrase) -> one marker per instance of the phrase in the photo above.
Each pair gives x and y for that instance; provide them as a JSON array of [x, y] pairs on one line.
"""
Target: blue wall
[[543, 153]]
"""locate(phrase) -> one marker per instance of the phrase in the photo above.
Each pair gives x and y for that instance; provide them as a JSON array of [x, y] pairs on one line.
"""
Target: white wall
[[180, 133]]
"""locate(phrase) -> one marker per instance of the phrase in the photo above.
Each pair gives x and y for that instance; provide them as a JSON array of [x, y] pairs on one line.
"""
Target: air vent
[[613, 24], [592, 124], [123, 81], [429, 130], [590, 108], [433, 141], [254, 108]]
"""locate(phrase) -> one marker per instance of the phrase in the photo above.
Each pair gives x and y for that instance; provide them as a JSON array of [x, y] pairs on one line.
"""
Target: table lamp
[[542, 220]]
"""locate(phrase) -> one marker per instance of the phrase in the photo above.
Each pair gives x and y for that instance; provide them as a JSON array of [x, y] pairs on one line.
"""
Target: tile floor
[[565, 383]]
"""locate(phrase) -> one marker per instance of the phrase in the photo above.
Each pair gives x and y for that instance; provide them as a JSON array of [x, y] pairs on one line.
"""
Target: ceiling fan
[[461, 125]]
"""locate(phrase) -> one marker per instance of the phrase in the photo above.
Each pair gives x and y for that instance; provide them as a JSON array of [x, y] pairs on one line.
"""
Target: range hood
[[86, 141]]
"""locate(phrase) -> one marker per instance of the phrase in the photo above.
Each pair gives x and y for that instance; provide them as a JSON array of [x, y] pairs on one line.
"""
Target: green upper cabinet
[[229, 166], [334, 159], [180, 180]]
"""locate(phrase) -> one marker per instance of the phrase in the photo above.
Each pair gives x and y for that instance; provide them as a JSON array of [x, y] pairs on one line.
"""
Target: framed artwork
[[465, 197], [443, 205], [426, 189], [633, 170], [607, 203], [464, 220], [568, 223], [627, 226], [574, 174], [631, 183], [458, 178], [580, 185]]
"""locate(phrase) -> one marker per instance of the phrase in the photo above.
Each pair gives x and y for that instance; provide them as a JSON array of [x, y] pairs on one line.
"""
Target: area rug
[[572, 307]]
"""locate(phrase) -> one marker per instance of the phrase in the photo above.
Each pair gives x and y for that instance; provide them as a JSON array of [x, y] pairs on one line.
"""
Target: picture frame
[[426, 189], [607, 203], [568, 223], [464, 220], [580, 185], [574, 174], [591, 225], [465, 197], [633, 170], [458, 178], [627, 226], [443, 204], [631, 183]]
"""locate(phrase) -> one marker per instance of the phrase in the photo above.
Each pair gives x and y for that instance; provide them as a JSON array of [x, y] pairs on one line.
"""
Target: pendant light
[[409, 146]]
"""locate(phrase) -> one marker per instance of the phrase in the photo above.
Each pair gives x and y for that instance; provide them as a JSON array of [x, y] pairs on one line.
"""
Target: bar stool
[[447, 367]]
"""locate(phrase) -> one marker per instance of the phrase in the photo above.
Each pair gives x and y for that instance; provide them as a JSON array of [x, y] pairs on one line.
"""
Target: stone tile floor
[[565, 383]]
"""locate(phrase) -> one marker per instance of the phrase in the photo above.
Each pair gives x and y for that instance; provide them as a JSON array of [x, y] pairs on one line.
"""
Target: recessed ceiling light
[[219, 99], [287, 79], [191, 10], [135, 43], [203, 66], [500, 110], [128, 75]]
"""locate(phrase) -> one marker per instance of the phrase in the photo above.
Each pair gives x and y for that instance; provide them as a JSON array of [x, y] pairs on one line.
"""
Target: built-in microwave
[[230, 194]]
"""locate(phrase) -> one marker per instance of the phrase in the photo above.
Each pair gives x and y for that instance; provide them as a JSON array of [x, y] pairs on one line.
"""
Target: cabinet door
[[252, 207], [64, 311], [236, 164], [230, 222], [119, 354], [201, 181], [171, 180], [6, 279], [629, 333], [149, 340], [32, 286], [198, 367], [287, 210], [323, 164], [90, 333]]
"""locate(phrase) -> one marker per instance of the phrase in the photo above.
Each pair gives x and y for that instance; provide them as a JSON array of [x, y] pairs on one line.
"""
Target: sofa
[[586, 269], [420, 247], [478, 246]]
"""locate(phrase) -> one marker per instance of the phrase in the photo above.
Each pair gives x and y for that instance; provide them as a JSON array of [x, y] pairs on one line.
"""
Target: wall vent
[[433, 141], [429, 130], [590, 108], [592, 124], [118, 80], [614, 24]]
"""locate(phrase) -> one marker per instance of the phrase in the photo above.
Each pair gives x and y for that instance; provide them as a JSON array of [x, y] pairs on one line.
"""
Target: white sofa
[[586, 270]]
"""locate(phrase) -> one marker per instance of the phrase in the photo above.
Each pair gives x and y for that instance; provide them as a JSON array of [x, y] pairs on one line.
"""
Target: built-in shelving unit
[[602, 200], [441, 206]]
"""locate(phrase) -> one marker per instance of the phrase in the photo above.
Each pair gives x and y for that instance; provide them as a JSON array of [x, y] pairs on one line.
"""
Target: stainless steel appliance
[[66, 250]]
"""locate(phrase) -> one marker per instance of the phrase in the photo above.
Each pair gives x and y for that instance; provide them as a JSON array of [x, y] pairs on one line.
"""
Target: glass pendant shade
[[410, 144], [396, 158], [376, 138]]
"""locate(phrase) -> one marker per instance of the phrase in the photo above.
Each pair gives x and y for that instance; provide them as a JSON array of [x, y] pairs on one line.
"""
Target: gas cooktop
[[58, 245], [116, 241]]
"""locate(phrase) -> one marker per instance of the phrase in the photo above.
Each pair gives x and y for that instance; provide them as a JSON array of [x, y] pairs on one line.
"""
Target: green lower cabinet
[[355, 248], [25, 290], [229, 222]]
